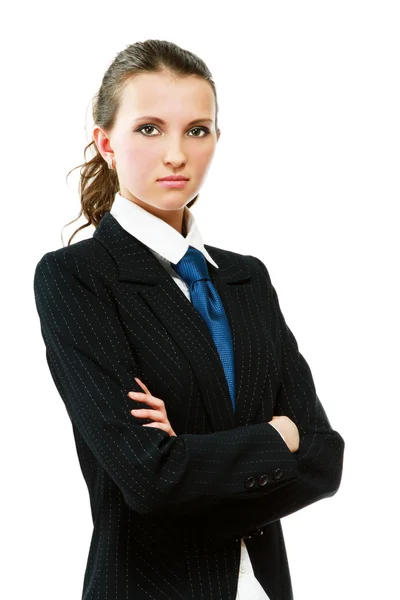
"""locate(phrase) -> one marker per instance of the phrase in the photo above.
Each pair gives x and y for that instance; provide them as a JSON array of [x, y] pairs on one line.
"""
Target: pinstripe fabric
[[168, 513]]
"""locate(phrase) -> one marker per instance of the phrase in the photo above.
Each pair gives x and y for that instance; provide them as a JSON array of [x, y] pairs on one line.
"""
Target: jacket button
[[249, 483], [278, 473], [262, 480], [259, 532]]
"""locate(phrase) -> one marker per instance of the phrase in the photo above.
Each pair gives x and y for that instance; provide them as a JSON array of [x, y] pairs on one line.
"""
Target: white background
[[307, 168]]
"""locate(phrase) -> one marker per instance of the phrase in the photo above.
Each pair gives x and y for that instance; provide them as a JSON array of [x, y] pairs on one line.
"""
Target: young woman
[[195, 417]]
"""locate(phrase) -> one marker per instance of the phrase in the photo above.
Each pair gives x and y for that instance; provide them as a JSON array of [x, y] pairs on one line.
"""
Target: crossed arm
[[162, 475]]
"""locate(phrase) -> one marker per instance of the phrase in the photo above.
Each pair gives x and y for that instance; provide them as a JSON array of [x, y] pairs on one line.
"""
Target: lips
[[174, 178]]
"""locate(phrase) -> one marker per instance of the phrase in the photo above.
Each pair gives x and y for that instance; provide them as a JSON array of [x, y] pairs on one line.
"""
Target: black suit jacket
[[169, 512]]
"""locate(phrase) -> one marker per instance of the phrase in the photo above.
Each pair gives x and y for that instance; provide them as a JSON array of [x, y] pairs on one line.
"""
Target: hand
[[288, 429], [159, 413]]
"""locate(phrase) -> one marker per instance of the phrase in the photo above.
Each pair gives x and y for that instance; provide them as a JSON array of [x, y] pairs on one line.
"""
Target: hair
[[98, 183]]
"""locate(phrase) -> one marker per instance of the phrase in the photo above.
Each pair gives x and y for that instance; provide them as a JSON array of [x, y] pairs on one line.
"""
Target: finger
[[162, 426], [168, 429], [152, 400], [140, 396], [142, 385], [144, 413]]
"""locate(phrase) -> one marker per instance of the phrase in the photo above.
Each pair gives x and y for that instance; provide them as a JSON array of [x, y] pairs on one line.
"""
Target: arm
[[93, 368], [320, 454]]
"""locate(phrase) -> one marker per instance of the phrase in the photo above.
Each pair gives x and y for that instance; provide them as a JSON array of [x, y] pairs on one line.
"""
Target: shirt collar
[[161, 238]]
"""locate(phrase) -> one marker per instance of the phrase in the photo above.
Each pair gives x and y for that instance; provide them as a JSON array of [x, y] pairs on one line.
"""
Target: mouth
[[174, 178], [173, 183]]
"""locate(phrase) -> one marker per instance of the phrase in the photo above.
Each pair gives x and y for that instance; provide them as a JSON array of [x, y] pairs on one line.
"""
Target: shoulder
[[80, 259], [251, 263]]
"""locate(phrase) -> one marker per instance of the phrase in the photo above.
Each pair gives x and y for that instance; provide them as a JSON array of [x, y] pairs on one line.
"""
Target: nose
[[174, 153], [175, 158]]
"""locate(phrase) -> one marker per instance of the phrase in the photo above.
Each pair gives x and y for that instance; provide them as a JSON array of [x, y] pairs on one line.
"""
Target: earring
[[110, 163]]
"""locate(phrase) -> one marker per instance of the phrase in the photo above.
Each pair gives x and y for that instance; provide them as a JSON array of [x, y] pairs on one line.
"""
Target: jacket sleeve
[[93, 367], [319, 457]]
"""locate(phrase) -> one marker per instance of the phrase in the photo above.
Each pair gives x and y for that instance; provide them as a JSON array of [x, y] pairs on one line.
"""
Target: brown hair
[[98, 183]]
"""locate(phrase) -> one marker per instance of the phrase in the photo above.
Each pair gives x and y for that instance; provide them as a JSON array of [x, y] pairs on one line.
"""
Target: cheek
[[202, 159], [139, 162]]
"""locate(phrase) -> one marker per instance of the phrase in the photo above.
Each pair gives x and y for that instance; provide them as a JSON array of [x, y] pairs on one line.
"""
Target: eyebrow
[[158, 120]]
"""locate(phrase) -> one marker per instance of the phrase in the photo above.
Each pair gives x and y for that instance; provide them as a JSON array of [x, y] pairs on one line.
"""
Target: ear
[[218, 134], [102, 142]]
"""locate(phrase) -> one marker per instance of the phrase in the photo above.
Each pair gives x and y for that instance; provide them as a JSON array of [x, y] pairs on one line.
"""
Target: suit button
[[278, 474], [249, 483], [262, 480], [259, 532]]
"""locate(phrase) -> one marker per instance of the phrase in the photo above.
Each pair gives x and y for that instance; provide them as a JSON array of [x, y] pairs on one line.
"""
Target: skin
[[144, 154]]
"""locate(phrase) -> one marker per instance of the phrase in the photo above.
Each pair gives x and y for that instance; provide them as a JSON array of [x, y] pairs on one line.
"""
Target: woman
[[195, 417]]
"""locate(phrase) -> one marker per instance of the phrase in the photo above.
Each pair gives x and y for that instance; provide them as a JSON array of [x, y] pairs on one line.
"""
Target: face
[[145, 150]]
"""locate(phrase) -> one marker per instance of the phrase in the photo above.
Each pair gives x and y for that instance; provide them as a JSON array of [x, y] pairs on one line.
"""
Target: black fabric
[[169, 512]]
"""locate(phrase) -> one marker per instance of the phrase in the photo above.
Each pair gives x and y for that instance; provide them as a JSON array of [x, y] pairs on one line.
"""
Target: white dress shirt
[[168, 245]]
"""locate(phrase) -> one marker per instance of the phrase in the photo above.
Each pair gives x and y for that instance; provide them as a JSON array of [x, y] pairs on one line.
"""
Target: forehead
[[168, 97]]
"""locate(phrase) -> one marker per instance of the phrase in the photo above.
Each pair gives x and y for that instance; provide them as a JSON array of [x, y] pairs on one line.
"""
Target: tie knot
[[192, 266]]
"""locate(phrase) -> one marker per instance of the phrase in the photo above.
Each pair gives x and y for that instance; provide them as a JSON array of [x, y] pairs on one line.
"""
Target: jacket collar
[[137, 263]]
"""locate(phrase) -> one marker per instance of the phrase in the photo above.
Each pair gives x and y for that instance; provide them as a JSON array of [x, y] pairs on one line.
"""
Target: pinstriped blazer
[[169, 512]]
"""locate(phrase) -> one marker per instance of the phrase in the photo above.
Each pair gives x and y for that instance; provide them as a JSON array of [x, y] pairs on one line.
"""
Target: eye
[[148, 126], [205, 129]]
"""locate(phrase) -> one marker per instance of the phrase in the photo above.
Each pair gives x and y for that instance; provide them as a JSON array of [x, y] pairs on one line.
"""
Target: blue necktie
[[192, 268]]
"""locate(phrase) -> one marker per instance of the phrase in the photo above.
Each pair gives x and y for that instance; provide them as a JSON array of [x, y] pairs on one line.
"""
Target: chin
[[172, 204]]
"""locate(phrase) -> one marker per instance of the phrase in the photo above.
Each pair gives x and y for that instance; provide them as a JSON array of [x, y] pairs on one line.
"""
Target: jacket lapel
[[140, 268]]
